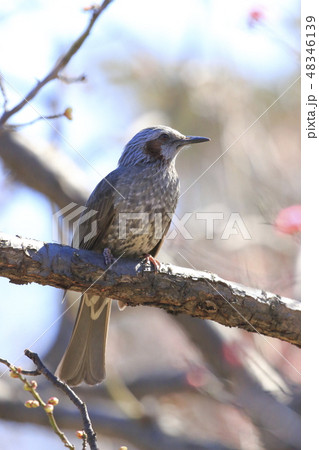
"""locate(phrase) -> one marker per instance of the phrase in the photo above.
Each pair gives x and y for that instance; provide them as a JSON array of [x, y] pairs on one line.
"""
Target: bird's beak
[[187, 140]]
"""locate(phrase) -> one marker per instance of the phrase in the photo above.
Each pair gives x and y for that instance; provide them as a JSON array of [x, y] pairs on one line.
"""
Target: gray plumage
[[145, 183]]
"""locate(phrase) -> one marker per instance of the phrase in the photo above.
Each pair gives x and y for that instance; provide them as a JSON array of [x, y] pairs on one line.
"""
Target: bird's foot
[[149, 259], [108, 257]]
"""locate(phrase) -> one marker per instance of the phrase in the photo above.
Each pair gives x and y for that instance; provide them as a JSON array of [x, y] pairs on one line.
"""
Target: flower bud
[[34, 384], [48, 408], [80, 434], [13, 374], [68, 113], [53, 401], [31, 404]]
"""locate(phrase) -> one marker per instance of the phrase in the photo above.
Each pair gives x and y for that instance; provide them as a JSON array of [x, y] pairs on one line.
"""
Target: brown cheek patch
[[153, 148]]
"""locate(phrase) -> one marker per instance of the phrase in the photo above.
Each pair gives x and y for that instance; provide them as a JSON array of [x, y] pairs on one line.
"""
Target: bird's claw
[[149, 259], [108, 257]]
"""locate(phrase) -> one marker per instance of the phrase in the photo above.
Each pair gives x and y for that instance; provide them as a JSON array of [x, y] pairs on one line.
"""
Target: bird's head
[[156, 144]]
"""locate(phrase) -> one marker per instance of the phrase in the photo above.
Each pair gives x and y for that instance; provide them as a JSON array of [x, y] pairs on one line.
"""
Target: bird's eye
[[164, 136]]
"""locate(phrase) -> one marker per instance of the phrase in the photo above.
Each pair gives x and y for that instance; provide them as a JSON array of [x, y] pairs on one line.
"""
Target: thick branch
[[52, 169], [248, 393], [144, 434], [175, 289]]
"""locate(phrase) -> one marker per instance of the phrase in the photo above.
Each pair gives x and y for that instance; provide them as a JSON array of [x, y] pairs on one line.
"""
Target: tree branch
[[60, 65], [144, 434], [87, 424], [175, 289], [249, 394], [52, 169]]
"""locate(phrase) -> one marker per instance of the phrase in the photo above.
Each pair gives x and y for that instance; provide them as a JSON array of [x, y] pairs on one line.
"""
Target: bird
[[144, 186]]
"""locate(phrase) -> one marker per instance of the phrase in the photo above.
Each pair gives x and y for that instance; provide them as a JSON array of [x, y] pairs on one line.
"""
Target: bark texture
[[175, 289]]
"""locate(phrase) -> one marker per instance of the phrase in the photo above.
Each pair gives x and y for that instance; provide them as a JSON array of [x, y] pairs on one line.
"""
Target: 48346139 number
[[310, 46]]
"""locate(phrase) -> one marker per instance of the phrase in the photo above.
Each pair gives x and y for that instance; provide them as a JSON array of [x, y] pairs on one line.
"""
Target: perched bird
[[143, 188]]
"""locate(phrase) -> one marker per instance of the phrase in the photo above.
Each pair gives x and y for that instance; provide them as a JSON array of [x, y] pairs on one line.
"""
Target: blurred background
[[227, 70]]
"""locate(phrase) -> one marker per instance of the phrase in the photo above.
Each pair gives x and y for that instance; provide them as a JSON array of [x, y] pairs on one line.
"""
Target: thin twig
[[66, 113], [31, 373], [60, 65], [4, 94], [87, 424], [69, 80], [31, 386]]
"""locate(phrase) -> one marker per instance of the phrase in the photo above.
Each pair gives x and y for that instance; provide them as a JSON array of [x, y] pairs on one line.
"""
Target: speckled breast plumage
[[146, 198]]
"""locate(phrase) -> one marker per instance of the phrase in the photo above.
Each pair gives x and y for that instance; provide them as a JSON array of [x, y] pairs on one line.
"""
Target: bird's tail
[[84, 358]]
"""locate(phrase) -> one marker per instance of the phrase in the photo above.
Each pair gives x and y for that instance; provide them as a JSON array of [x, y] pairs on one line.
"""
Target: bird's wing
[[158, 246], [98, 215]]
